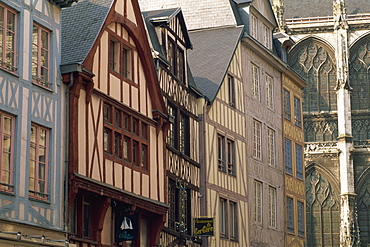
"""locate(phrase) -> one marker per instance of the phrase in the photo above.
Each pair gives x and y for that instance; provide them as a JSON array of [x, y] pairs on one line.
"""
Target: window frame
[[121, 58], [272, 206], [228, 218], [178, 136], [37, 78], [271, 146], [266, 36], [257, 201], [297, 112], [231, 90], [7, 186], [300, 218], [299, 161], [37, 192], [221, 156], [230, 157], [287, 104], [9, 67], [290, 214], [256, 93], [288, 156], [134, 141], [270, 92], [254, 26], [257, 139]]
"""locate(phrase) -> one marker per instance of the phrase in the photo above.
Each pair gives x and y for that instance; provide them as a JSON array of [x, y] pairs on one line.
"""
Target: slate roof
[[210, 58], [81, 24]]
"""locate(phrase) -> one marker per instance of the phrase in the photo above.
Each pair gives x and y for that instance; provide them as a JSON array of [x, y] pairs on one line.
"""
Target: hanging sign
[[126, 228], [203, 227]]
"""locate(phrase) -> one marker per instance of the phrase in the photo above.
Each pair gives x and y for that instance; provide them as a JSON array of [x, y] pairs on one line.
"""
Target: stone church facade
[[332, 52]]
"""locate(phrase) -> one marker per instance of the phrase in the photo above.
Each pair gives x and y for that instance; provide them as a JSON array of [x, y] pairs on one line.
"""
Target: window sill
[[10, 72], [42, 86], [38, 200]]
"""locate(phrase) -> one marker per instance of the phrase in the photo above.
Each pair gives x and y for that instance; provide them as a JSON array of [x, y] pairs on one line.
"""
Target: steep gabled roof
[[211, 56], [158, 17], [81, 24]]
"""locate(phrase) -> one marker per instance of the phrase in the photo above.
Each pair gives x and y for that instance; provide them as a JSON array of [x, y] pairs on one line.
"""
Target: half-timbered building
[[117, 127], [170, 42], [216, 65], [32, 124]]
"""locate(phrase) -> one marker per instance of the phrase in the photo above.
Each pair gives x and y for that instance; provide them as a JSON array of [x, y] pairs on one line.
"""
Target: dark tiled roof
[[242, 1], [156, 17], [161, 14], [212, 52], [81, 24]]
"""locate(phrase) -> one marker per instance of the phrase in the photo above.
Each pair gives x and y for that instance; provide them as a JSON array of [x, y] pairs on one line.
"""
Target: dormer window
[[176, 57]]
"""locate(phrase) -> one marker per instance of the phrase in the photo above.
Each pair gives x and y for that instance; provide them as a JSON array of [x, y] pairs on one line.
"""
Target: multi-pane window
[[233, 220], [257, 201], [257, 127], [288, 156], [266, 36], [221, 152], [269, 92], [290, 214], [38, 172], [228, 219], [226, 154], [6, 145], [299, 161], [184, 144], [286, 104], [271, 146], [297, 112], [40, 56], [223, 217], [176, 57], [7, 39], [254, 26], [125, 137], [272, 206], [120, 58], [179, 212], [230, 156], [255, 82], [300, 214], [231, 88], [179, 130]]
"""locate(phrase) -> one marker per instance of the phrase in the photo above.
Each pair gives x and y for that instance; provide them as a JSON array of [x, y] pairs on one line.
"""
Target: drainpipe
[[66, 157]]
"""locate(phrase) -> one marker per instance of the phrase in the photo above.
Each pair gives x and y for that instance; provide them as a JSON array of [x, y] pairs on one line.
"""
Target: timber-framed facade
[[117, 128], [32, 124], [170, 42]]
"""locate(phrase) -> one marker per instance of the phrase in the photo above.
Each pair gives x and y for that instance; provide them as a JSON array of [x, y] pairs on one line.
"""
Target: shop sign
[[203, 227], [126, 228]]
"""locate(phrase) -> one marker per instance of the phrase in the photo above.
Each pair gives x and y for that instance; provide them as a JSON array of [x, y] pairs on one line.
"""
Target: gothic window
[[361, 129], [319, 131], [314, 61], [364, 213], [322, 215], [359, 75]]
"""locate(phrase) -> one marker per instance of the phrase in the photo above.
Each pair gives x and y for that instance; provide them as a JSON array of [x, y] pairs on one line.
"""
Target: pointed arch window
[[315, 62], [322, 215], [359, 74], [364, 212]]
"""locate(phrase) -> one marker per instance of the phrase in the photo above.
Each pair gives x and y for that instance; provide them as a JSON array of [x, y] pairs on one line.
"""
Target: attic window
[[120, 59]]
